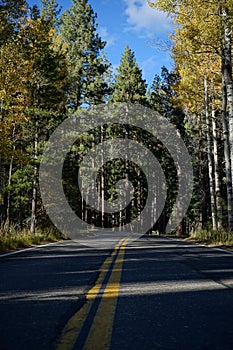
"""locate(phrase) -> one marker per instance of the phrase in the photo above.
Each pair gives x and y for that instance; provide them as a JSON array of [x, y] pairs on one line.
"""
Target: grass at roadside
[[220, 238], [14, 240], [22, 239]]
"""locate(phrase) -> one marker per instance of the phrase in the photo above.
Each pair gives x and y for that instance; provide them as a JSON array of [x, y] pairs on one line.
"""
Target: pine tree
[[88, 66], [129, 86], [11, 13], [163, 98], [50, 11]]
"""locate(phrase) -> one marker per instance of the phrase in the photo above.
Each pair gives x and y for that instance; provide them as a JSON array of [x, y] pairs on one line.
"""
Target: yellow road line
[[74, 325], [100, 333]]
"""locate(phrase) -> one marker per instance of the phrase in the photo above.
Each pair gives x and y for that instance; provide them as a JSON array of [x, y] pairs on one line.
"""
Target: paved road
[[153, 293]]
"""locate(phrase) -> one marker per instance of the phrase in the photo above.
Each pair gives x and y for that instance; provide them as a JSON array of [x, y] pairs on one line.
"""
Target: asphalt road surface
[[152, 293]]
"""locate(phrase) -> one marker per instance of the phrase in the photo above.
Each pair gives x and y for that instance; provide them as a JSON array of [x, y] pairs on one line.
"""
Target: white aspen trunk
[[120, 219], [82, 198], [157, 184], [216, 170], [227, 73], [128, 209], [227, 156], [34, 185], [102, 197], [99, 198], [139, 194], [209, 155], [86, 210], [227, 101], [102, 180], [202, 192], [7, 223], [93, 213], [2, 176], [180, 220], [179, 230], [113, 221]]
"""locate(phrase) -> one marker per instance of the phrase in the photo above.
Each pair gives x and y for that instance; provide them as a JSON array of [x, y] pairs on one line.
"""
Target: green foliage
[[50, 11], [20, 186], [11, 14], [88, 67], [164, 98], [52, 67], [129, 86]]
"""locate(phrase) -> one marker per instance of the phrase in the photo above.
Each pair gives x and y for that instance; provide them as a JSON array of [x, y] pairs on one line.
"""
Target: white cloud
[[106, 36], [145, 20]]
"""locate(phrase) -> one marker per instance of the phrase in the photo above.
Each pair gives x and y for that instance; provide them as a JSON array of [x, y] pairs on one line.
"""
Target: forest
[[53, 66]]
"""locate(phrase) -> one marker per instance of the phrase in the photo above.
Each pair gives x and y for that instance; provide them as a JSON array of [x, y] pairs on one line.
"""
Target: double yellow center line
[[91, 327]]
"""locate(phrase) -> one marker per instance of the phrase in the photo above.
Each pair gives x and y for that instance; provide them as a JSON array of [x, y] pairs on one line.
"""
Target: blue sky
[[132, 22]]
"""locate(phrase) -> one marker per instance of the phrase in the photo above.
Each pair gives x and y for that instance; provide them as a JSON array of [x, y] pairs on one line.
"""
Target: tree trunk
[[127, 165], [102, 180], [202, 188], [227, 101], [7, 222], [180, 221], [82, 203], [227, 75], [216, 170], [209, 155], [2, 176], [227, 156], [34, 185], [93, 210]]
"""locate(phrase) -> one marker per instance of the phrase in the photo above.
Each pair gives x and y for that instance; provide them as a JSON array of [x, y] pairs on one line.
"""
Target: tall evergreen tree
[[50, 11], [46, 97], [163, 99], [11, 13], [88, 66], [129, 86]]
